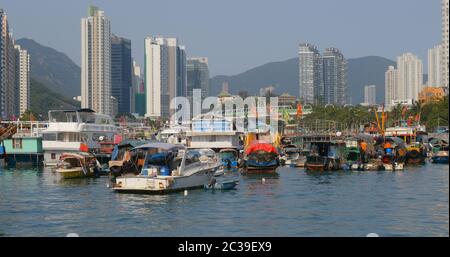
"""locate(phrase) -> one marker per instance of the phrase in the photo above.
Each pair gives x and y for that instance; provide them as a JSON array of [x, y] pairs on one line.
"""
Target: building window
[[53, 156], [17, 143]]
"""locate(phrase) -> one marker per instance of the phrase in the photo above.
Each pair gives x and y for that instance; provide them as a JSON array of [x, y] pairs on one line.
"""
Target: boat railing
[[27, 128]]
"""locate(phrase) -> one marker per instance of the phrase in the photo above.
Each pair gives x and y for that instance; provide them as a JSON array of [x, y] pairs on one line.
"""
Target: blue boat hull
[[440, 159], [252, 164]]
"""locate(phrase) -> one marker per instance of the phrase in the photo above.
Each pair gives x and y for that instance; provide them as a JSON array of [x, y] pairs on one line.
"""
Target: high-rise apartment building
[[165, 74], [8, 92], [121, 73], [310, 74], [197, 76], [370, 95], [409, 77], [445, 52], [22, 79], [96, 61], [390, 86], [334, 77], [434, 66]]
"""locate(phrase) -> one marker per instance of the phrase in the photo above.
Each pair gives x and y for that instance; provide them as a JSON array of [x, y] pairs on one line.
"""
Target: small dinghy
[[221, 185]]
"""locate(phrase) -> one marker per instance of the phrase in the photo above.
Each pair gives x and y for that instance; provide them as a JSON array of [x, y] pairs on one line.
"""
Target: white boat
[[74, 131], [393, 167], [168, 168]]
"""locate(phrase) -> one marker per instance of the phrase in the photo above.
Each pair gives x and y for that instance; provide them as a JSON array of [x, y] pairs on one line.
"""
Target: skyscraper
[[434, 66], [197, 76], [8, 92], [445, 52], [165, 74], [138, 91], [310, 74], [334, 77], [409, 77], [96, 61], [121, 72], [390, 84], [22, 79], [370, 94]]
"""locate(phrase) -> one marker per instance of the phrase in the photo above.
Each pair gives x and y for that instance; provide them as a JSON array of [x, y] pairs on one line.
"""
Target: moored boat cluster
[[82, 144]]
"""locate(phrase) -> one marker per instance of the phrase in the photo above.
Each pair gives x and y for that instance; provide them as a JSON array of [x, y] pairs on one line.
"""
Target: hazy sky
[[240, 34]]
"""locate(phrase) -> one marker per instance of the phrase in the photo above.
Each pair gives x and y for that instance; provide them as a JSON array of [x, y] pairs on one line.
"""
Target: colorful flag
[[299, 110]]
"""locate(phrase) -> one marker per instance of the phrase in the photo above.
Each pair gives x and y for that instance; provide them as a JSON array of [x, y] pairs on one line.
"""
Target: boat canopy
[[134, 143], [261, 147], [160, 145], [79, 155], [228, 150]]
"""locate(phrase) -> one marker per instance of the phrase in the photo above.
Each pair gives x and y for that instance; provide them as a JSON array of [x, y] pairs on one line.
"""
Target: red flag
[[299, 110]]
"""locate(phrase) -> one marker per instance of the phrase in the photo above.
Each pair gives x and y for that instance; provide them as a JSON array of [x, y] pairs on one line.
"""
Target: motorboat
[[229, 158], [169, 168]]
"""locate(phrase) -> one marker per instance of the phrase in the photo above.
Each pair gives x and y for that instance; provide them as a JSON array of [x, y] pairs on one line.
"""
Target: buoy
[[185, 192], [72, 235], [107, 185], [263, 180], [372, 235]]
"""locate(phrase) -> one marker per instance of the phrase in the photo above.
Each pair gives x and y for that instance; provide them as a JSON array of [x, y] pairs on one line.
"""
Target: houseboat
[[353, 159], [411, 135], [24, 146], [74, 131], [214, 132], [326, 156]]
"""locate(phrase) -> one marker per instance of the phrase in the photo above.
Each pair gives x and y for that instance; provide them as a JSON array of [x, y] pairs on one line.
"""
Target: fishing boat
[[353, 158], [440, 154], [326, 156], [168, 168], [261, 156], [315, 162], [415, 150], [229, 158], [291, 156], [78, 165]]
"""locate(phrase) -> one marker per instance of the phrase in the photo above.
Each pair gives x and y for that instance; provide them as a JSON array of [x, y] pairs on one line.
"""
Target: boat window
[[49, 136], [228, 155], [157, 159], [192, 156], [62, 116], [87, 118], [17, 143], [72, 162]]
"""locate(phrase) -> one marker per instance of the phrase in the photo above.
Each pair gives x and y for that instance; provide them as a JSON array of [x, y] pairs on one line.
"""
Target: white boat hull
[[164, 184]]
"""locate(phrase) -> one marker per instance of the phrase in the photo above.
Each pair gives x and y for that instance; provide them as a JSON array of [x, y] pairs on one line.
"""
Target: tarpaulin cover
[[261, 147]]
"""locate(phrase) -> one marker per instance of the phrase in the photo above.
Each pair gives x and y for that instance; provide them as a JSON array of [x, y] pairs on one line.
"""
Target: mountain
[[44, 99], [283, 76], [53, 69]]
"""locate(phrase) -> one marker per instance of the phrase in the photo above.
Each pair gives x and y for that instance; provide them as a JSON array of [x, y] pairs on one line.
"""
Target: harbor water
[[414, 202]]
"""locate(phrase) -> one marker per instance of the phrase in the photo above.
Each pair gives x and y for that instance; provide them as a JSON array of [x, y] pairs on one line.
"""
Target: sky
[[237, 35]]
